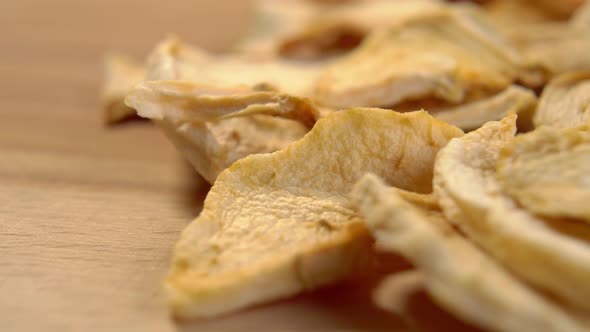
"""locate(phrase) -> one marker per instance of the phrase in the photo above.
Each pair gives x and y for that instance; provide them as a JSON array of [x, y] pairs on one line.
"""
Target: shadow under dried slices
[[345, 305], [195, 191], [123, 122], [575, 229], [426, 315]]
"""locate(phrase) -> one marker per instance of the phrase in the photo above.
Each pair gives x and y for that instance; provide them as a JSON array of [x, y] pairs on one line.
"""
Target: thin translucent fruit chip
[[274, 225]]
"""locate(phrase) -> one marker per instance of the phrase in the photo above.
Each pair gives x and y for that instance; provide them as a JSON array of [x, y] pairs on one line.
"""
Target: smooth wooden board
[[88, 214]]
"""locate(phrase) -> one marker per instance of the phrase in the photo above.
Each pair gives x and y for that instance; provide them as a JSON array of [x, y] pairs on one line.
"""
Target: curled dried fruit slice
[[556, 47], [271, 22], [187, 101], [565, 101], [274, 225], [473, 115], [471, 197], [174, 60], [547, 171], [194, 114], [197, 118], [338, 29], [446, 55], [121, 74], [459, 276], [316, 30]]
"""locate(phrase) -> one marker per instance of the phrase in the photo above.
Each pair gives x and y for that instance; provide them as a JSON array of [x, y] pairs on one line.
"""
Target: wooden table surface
[[89, 214]]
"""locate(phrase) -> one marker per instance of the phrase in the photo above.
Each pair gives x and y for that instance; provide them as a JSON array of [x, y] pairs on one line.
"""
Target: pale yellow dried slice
[[195, 118], [514, 99], [471, 196], [547, 172], [188, 101], [120, 75], [271, 22], [320, 29], [457, 274], [556, 47], [194, 113], [446, 55], [565, 101], [338, 29], [550, 45], [274, 225], [175, 60]]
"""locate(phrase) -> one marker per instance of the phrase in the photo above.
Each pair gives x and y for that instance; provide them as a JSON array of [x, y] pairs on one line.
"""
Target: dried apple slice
[[555, 47], [471, 196], [274, 225], [565, 101], [315, 30], [271, 22], [460, 277], [197, 120], [121, 74], [547, 172], [446, 55], [175, 60], [470, 116], [194, 114], [188, 101], [340, 29]]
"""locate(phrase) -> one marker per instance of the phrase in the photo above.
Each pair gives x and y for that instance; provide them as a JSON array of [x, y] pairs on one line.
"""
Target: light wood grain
[[88, 214]]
